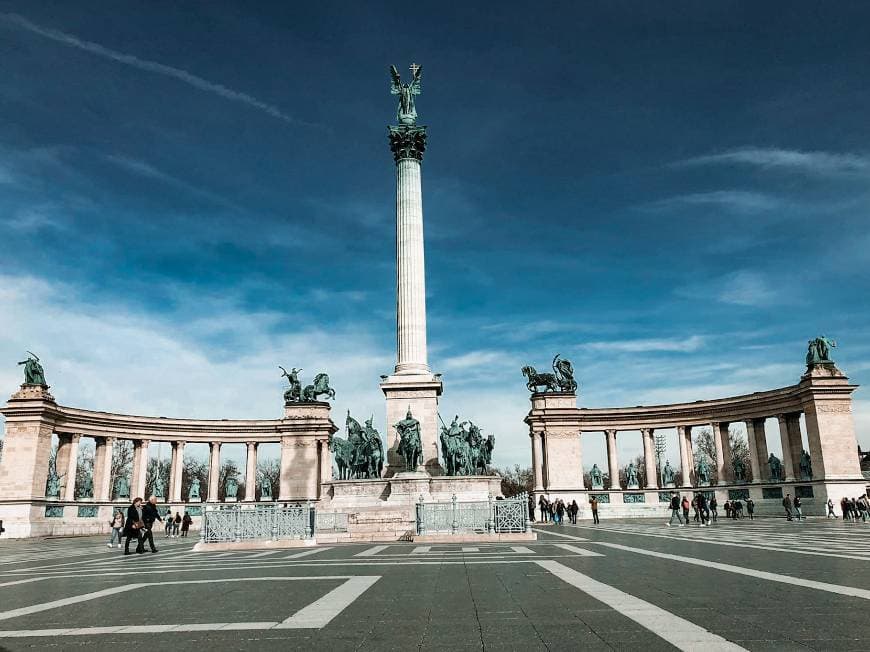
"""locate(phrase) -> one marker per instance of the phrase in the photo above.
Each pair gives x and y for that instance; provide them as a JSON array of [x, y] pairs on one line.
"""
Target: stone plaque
[[804, 492], [601, 498], [194, 510], [88, 511], [738, 494], [771, 493], [54, 511], [664, 496], [633, 498]]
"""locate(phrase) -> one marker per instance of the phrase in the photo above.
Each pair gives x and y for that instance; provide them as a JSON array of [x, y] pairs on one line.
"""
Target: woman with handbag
[[133, 526]]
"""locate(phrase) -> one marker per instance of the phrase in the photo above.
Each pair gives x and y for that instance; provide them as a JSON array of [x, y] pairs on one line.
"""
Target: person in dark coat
[[132, 526], [150, 515], [185, 524]]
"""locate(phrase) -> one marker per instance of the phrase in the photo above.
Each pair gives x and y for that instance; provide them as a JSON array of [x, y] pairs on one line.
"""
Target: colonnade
[[823, 397]]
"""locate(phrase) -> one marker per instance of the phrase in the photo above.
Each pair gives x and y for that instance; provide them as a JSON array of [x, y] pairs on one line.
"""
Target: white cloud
[[740, 201], [476, 359], [676, 345], [822, 163], [746, 288], [150, 66]]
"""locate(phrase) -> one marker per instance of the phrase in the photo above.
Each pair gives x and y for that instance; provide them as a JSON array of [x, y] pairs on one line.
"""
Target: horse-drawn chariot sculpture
[[296, 393], [561, 380]]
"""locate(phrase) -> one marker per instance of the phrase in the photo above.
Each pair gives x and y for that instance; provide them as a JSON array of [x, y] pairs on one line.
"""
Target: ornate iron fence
[[238, 523], [482, 517]]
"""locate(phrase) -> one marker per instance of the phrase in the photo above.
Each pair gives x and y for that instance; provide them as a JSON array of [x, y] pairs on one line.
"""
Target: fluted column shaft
[[685, 444], [140, 467], [612, 459], [175, 471], [103, 468], [214, 469], [251, 472], [787, 465], [71, 466], [723, 452], [649, 458], [411, 354], [538, 461], [754, 429]]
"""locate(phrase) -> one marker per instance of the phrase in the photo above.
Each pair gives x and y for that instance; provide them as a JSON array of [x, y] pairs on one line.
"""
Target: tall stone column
[[612, 460], [685, 465], [795, 442], [61, 460], [251, 472], [103, 468], [71, 466], [787, 466], [649, 458], [412, 385], [214, 470], [723, 452], [325, 460], [757, 459], [140, 467], [176, 470], [538, 460]]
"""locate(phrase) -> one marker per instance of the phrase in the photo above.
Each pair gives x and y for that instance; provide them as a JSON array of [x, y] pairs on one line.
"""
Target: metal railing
[[482, 517], [268, 522]]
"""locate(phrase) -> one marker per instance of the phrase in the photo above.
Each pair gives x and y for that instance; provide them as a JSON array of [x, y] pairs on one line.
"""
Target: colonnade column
[[538, 461], [795, 442], [176, 470], [325, 457], [71, 466], [754, 427], [723, 451], [214, 469], [251, 472], [140, 467], [685, 466], [284, 477], [787, 465], [612, 460], [649, 458], [103, 468]]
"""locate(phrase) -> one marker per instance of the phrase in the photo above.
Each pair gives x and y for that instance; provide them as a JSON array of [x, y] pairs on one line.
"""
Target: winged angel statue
[[406, 113]]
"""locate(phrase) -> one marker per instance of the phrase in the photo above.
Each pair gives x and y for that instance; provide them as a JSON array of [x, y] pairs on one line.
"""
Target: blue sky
[[674, 196]]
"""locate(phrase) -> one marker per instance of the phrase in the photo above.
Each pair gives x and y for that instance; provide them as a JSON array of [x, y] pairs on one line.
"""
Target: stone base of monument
[[255, 544]]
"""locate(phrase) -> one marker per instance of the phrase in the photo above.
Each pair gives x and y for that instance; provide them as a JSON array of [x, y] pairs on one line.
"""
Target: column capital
[[407, 142], [611, 432], [647, 431], [215, 444], [251, 444], [110, 440], [75, 437], [781, 417], [179, 443], [143, 443]]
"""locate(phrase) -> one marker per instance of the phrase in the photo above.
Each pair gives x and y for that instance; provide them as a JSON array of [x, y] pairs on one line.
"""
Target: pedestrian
[[149, 516], [697, 518], [574, 509], [168, 523], [854, 505], [542, 507], [185, 524], [133, 526], [797, 508], [846, 508], [737, 509], [560, 511], [750, 508], [117, 525], [703, 510], [727, 507], [787, 505], [685, 506], [593, 505], [176, 524], [713, 506], [831, 509], [862, 508], [675, 510], [531, 508]]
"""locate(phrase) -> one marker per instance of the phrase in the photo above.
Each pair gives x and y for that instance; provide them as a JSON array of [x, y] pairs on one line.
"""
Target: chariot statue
[[320, 386], [410, 446], [293, 393], [819, 351], [561, 380], [34, 374]]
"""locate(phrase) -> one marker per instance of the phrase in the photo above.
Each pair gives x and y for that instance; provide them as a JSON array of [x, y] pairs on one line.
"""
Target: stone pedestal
[[420, 393], [553, 417], [305, 431]]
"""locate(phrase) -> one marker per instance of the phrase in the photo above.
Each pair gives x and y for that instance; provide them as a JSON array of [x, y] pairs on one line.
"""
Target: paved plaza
[[762, 585]]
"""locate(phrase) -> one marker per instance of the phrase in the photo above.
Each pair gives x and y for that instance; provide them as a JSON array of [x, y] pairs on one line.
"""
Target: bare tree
[[228, 468], [270, 471], [706, 448], [152, 477], [641, 473], [516, 480], [740, 451]]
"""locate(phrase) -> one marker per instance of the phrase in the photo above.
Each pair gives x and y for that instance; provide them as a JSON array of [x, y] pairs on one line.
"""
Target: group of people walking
[[852, 509], [138, 525], [554, 511], [706, 510]]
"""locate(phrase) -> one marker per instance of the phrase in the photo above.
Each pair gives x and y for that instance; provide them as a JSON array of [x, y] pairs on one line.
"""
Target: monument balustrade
[[828, 469]]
